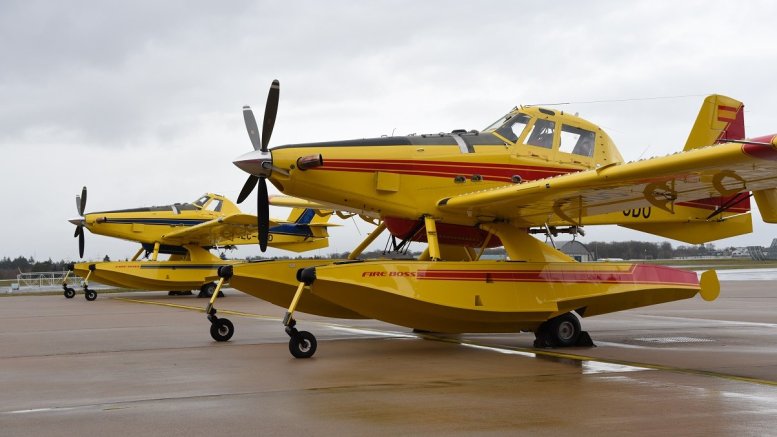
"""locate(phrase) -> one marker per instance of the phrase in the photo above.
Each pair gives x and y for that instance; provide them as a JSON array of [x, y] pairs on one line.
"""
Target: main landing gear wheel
[[302, 344], [560, 331], [222, 329], [69, 292], [90, 295], [207, 290]]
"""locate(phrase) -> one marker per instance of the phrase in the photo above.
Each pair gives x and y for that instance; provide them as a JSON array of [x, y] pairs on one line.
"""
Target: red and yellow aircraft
[[186, 232], [535, 170]]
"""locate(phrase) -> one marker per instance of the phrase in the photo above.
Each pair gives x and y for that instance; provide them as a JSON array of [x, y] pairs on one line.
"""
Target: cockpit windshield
[[510, 126], [497, 124]]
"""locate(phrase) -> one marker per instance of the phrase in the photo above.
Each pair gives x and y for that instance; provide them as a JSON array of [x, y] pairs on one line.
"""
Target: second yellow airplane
[[186, 232]]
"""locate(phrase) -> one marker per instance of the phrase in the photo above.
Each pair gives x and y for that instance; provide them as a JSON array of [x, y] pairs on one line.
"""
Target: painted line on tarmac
[[602, 363], [715, 321], [198, 309]]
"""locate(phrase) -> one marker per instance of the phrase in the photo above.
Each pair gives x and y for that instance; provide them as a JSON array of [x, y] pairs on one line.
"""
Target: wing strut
[[736, 200]]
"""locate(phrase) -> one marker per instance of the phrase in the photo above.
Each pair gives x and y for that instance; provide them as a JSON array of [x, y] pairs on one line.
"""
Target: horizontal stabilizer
[[767, 204]]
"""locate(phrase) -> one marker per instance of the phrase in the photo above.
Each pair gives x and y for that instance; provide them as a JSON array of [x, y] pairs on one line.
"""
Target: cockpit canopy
[[555, 131], [208, 202]]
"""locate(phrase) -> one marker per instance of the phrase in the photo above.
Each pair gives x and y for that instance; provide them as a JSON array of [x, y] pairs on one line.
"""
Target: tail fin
[[720, 118], [301, 216], [306, 216], [309, 216], [309, 221]]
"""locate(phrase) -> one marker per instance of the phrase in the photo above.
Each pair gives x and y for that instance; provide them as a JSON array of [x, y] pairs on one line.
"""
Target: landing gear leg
[[68, 292], [302, 344], [90, 295], [220, 329], [561, 331]]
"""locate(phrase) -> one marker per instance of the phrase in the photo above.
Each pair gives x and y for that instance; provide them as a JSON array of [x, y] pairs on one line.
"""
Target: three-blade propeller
[[80, 207], [260, 143]]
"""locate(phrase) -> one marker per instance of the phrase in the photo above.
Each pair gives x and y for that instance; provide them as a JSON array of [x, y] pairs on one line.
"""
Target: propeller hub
[[257, 163], [78, 221]]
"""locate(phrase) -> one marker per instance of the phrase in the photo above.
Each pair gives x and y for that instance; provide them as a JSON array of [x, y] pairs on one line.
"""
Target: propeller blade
[[81, 244], [247, 188], [79, 231], [253, 129], [270, 111], [82, 202], [263, 214]]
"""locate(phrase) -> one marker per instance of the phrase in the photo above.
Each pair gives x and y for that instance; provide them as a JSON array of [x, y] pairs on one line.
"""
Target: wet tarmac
[[144, 363]]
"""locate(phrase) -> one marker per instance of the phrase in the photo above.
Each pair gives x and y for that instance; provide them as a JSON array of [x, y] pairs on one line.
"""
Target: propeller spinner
[[259, 162]]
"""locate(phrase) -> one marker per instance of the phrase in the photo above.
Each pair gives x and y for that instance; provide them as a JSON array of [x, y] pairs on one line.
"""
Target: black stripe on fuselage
[[182, 266], [442, 139], [164, 208]]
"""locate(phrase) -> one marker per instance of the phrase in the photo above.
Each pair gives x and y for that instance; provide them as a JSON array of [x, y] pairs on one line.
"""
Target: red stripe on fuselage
[[637, 274], [448, 169], [761, 151]]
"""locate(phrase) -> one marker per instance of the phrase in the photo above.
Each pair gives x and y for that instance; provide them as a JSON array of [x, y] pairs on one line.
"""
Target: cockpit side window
[[513, 128], [214, 205], [201, 201], [541, 134], [577, 141]]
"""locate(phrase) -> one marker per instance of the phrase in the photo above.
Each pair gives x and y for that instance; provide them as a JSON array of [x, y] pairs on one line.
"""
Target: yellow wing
[[223, 231], [295, 202], [700, 173]]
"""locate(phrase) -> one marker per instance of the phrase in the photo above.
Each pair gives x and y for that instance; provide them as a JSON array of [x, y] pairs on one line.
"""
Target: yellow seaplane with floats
[[186, 232], [534, 171]]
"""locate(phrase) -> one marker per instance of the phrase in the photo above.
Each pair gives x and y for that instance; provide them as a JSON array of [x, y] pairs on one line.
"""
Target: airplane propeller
[[80, 207], [264, 159]]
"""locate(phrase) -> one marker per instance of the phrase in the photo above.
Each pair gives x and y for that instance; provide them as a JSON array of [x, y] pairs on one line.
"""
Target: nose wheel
[[221, 329], [69, 292], [90, 295], [302, 344]]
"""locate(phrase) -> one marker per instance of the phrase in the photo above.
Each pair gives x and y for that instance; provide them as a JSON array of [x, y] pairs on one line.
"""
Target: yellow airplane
[[535, 170], [186, 232]]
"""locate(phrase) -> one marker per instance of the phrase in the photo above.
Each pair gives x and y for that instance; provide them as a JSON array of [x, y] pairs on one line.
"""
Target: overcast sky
[[141, 101]]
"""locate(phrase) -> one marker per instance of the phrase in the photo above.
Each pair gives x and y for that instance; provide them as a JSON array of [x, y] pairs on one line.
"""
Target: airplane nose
[[256, 162], [77, 221]]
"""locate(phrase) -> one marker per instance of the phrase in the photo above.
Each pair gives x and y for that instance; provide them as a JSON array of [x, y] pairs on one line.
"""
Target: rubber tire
[[208, 289], [69, 293], [302, 345], [90, 295], [564, 330], [222, 330]]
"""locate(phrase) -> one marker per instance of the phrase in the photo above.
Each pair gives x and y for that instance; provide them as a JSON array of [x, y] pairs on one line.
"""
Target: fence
[[47, 279]]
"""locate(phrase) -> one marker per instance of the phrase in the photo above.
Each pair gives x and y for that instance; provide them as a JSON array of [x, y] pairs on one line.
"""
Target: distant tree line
[[646, 250], [9, 268]]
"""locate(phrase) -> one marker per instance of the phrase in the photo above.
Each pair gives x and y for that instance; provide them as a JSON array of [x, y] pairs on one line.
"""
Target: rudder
[[720, 118]]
